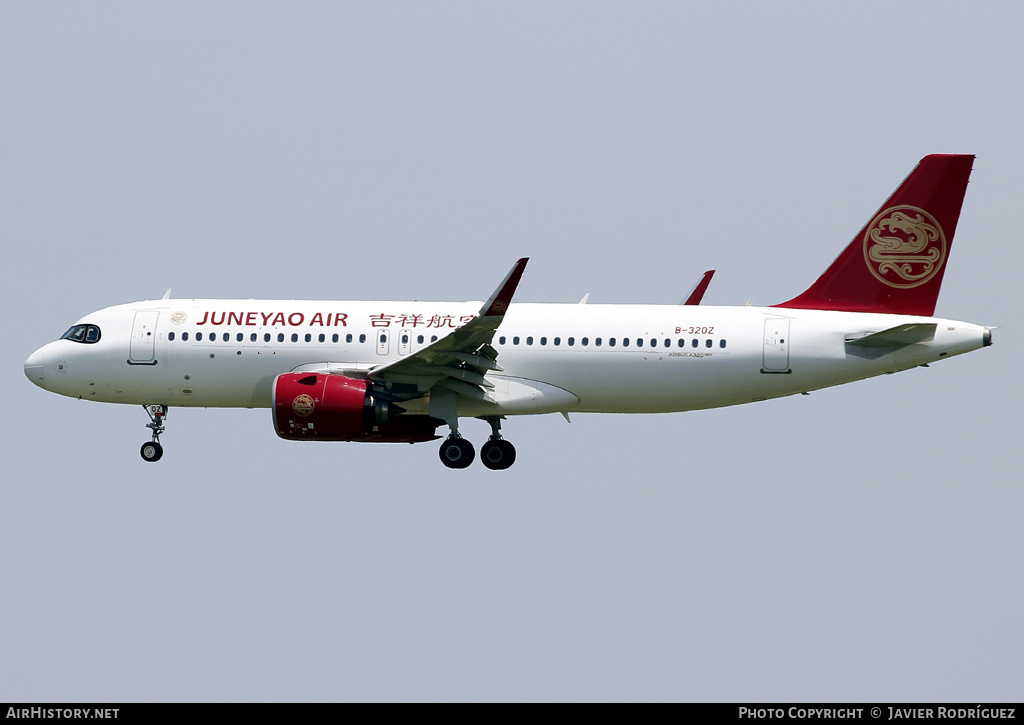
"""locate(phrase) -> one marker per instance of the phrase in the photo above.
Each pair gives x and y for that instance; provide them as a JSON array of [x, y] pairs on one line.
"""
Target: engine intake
[[315, 406]]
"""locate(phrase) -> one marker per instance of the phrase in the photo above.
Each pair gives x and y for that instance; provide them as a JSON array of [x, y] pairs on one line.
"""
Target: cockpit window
[[82, 333]]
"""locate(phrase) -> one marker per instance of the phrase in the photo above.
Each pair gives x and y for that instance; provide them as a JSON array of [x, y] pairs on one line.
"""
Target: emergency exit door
[[383, 340]]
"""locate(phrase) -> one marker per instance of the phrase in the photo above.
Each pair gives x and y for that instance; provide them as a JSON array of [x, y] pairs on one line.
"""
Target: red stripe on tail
[[895, 264]]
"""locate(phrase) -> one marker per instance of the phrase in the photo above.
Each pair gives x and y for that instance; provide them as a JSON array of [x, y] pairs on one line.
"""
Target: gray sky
[[863, 543]]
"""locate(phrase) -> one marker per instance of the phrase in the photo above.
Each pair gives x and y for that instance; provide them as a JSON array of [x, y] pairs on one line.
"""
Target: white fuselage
[[554, 357]]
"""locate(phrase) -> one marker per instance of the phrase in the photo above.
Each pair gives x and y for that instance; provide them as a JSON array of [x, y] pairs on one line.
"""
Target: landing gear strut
[[152, 451], [497, 453]]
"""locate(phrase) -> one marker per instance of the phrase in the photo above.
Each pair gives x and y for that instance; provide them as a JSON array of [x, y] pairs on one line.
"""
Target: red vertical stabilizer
[[895, 264]]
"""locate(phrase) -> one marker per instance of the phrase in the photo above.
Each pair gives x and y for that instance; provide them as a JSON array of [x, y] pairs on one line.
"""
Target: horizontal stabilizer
[[899, 336]]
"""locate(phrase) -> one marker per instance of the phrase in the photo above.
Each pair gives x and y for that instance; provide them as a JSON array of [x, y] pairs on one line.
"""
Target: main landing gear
[[152, 451], [497, 453], [456, 452]]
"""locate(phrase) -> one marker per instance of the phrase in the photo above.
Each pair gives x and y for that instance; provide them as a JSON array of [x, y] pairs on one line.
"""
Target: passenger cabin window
[[170, 336], [227, 337], [199, 336], [252, 337], [184, 337], [266, 337], [721, 344]]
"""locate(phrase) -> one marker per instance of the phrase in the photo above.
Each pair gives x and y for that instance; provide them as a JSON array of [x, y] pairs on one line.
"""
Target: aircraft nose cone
[[35, 367]]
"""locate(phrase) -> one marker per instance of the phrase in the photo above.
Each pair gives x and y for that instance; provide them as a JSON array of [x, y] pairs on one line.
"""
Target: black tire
[[498, 455], [457, 453], [151, 451]]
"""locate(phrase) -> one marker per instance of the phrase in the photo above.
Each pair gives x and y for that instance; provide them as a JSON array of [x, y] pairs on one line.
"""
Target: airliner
[[394, 371]]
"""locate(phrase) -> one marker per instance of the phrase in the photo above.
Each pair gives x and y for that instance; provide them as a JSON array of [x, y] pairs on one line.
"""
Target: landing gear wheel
[[498, 454], [457, 453], [152, 451]]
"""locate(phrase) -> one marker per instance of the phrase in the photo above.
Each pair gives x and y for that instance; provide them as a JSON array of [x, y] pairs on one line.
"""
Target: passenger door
[[776, 346], [143, 342]]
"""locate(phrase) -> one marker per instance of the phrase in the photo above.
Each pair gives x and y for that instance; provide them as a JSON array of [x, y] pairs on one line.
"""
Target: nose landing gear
[[152, 451]]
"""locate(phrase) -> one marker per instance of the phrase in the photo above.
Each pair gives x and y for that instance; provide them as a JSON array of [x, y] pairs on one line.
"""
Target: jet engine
[[319, 407]]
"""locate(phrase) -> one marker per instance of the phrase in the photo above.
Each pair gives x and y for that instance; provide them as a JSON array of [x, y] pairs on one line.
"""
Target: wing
[[697, 293], [458, 361]]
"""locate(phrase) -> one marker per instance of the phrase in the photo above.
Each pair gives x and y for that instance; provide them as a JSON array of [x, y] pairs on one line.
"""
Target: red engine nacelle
[[318, 407]]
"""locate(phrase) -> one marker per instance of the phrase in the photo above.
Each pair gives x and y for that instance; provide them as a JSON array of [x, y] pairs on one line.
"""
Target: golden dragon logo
[[904, 246], [303, 405]]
